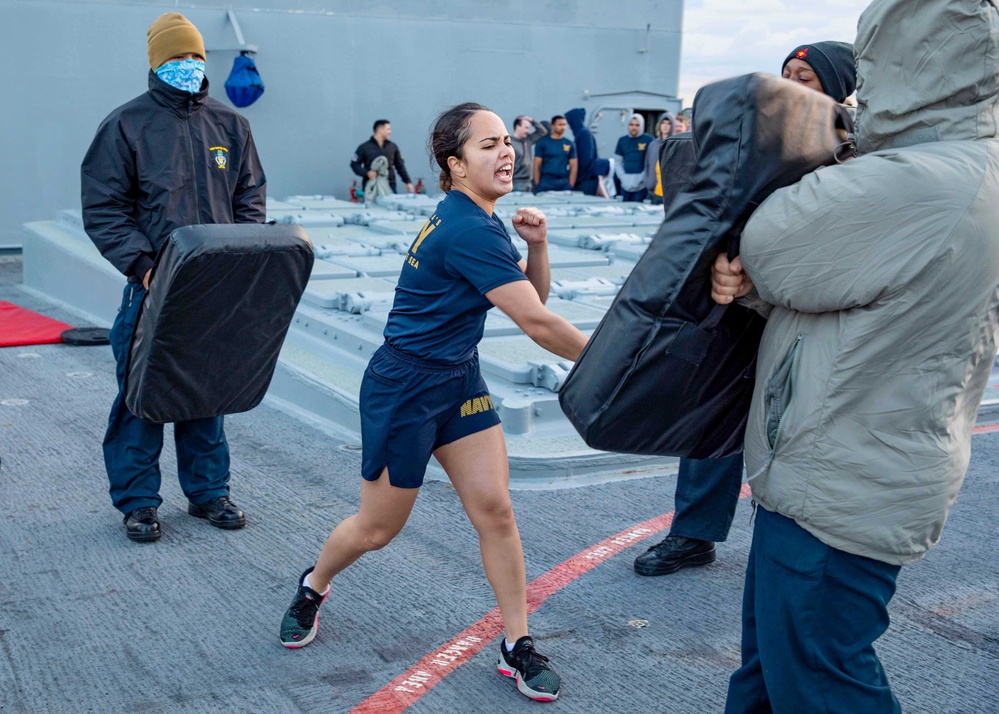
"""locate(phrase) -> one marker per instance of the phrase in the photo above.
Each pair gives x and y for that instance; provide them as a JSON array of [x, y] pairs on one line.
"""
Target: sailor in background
[[169, 158], [629, 155], [526, 133], [423, 394], [682, 121], [555, 163], [666, 127], [362, 162], [591, 168]]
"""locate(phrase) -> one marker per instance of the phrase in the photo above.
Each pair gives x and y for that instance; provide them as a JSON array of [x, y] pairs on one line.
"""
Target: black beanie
[[833, 64]]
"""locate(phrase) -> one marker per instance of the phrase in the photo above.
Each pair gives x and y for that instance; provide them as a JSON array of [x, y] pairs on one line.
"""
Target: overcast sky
[[725, 38]]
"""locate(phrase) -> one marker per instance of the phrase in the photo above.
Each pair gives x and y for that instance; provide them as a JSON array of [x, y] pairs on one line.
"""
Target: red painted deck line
[[423, 676], [401, 692]]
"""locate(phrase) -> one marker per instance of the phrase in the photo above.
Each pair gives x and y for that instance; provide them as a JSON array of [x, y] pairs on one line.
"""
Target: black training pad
[[677, 161], [665, 372], [219, 305]]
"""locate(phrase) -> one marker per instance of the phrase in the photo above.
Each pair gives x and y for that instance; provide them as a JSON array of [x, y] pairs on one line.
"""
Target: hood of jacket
[[574, 118], [659, 120], [927, 71]]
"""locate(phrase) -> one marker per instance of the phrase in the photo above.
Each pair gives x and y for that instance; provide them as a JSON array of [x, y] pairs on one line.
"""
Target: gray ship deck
[[90, 622]]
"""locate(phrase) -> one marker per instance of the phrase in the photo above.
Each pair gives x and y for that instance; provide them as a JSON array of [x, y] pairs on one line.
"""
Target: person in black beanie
[[830, 64], [707, 490]]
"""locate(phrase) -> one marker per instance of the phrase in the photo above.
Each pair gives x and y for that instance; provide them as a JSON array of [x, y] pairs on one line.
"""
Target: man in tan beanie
[[172, 35], [169, 158]]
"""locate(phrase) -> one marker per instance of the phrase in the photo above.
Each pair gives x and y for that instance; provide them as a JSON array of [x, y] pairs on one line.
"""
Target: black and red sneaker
[[535, 677], [301, 621]]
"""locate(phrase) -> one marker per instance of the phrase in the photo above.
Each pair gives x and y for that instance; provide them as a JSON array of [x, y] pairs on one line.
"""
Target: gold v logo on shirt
[[428, 228]]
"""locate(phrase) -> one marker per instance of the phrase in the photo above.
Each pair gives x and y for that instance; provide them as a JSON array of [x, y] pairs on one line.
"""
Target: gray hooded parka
[[884, 274]]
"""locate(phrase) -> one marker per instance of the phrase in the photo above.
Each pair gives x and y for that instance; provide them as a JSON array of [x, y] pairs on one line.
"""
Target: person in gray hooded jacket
[[883, 274], [665, 128]]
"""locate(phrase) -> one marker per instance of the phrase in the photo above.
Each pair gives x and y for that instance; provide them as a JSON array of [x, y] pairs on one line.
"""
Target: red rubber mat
[[23, 327]]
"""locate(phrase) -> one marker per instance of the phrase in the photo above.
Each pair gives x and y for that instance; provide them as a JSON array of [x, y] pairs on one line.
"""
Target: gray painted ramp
[[90, 622]]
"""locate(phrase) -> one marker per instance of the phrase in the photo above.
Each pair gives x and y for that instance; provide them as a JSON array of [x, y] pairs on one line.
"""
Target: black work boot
[[142, 524], [220, 512], [675, 553]]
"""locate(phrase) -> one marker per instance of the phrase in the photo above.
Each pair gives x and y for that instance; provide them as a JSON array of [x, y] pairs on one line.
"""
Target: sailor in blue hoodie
[[590, 166], [630, 164]]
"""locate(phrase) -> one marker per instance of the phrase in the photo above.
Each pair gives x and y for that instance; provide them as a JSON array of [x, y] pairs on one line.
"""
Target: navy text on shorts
[[410, 407]]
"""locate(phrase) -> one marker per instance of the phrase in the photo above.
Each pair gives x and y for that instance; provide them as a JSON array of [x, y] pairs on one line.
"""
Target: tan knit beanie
[[172, 34]]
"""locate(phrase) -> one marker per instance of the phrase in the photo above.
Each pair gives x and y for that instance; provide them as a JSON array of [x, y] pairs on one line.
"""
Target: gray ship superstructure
[[330, 70]]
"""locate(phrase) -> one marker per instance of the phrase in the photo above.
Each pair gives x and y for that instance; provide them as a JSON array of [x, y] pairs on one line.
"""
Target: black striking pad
[[219, 305], [667, 371]]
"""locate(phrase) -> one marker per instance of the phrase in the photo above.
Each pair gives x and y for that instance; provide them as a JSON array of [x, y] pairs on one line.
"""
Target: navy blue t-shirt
[[633, 148], [462, 253], [554, 155]]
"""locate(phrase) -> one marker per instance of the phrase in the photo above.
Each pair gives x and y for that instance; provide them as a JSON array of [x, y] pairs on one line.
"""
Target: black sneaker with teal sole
[[535, 677], [301, 621]]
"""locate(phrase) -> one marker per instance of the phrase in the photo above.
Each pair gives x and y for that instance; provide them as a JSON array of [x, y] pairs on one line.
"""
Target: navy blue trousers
[[132, 445], [587, 186], [633, 196], [707, 492], [810, 616]]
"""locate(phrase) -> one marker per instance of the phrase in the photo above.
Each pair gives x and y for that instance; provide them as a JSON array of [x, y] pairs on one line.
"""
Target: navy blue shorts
[[410, 407]]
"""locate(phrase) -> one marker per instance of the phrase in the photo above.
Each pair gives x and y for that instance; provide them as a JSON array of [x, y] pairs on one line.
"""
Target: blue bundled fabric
[[244, 85], [220, 303]]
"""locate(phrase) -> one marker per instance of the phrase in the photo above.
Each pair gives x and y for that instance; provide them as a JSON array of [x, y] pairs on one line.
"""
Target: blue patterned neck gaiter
[[185, 75]]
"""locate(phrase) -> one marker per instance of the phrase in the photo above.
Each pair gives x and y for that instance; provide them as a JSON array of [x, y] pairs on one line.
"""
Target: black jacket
[[164, 160], [360, 162]]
